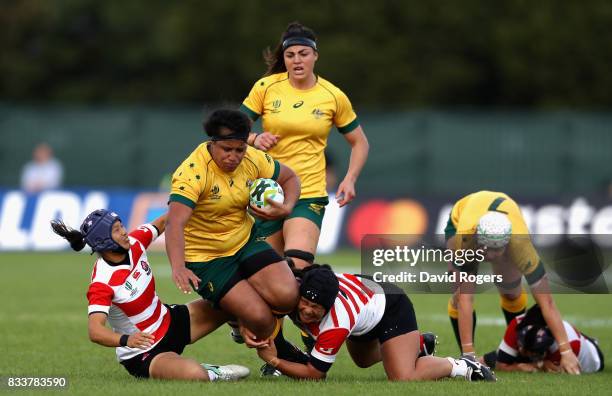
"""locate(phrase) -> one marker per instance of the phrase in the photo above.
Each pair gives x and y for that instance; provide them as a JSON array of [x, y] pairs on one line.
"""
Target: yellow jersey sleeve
[[253, 105], [187, 183], [267, 167], [345, 118]]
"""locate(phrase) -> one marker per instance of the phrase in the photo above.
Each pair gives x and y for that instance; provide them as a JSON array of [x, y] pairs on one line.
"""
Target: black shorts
[[399, 317], [177, 336]]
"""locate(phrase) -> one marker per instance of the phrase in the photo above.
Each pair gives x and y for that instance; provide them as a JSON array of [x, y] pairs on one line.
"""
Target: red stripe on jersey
[[141, 303], [334, 316], [329, 342], [163, 327], [152, 319], [348, 310], [100, 294], [143, 235], [356, 281], [350, 296], [511, 336], [359, 293], [313, 328], [136, 250], [118, 278]]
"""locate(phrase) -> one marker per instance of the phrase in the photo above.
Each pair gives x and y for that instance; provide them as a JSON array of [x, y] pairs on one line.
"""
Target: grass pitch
[[43, 328]]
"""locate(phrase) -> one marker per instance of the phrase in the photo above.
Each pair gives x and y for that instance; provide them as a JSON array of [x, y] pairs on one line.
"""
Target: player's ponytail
[[76, 239]]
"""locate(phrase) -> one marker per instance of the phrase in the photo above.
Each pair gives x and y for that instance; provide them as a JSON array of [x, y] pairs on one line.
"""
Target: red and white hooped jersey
[[126, 293], [358, 308], [582, 347]]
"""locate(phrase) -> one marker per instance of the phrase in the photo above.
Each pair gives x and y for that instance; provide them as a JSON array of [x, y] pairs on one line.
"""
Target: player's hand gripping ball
[[265, 189]]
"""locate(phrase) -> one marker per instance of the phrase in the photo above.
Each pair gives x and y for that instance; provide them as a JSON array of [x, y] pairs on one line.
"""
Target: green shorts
[[312, 209], [219, 275]]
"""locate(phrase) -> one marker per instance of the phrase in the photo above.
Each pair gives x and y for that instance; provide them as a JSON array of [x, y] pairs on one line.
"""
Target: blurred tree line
[[385, 54]]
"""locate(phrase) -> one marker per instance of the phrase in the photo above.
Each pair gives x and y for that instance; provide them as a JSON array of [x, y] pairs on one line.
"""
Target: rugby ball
[[265, 189]]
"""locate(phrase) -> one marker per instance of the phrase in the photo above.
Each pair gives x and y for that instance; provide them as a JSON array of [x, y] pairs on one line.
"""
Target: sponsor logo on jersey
[[268, 158], [231, 181], [298, 104], [210, 286]]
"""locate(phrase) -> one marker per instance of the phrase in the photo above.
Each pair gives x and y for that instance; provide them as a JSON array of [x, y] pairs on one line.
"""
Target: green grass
[[43, 332]]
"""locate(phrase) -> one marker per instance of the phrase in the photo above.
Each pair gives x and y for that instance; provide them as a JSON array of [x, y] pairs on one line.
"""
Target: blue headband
[[299, 41]]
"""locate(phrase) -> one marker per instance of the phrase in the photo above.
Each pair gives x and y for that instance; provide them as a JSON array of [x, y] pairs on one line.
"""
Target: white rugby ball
[[265, 189]]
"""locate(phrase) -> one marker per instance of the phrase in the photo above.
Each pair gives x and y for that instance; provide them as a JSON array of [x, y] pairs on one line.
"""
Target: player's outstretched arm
[[541, 293], [465, 308], [100, 334], [160, 223], [291, 369], [178, 215]]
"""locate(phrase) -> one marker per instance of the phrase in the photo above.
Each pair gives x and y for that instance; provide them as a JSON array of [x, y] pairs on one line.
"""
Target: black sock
[[455, 324], [288, 351], [511, 315]]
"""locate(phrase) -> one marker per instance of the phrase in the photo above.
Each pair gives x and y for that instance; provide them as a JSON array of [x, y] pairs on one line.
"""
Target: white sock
[[212, 375], [460, 368]]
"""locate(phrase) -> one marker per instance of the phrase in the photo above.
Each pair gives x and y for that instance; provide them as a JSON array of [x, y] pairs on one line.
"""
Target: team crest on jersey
[[276, 106], [317, 114], [214, 192], [145, 267]]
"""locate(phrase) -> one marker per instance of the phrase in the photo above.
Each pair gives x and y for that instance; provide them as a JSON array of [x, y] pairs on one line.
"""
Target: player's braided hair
[[76, 239], [275, 59]]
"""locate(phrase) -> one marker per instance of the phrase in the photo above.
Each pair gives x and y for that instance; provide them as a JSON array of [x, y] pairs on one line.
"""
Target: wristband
[[124, 340]]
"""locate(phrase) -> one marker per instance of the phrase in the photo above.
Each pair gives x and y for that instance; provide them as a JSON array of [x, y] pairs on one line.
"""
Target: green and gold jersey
[[219, 224], [303, 120], [467, 212]]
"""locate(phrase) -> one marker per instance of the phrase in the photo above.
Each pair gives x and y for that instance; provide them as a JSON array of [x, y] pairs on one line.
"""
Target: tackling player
[[493, 221], [529, 346], [148, 335], [377, 322]]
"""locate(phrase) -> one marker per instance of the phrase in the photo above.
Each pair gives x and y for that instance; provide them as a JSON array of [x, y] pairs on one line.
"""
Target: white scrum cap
[[494, 230]]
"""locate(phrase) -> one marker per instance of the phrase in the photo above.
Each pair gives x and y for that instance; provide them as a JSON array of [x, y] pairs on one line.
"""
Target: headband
[[299, 41]]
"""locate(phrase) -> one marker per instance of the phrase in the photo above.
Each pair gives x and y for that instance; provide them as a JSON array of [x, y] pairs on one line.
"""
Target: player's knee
[[259, 320], [286, 296]]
